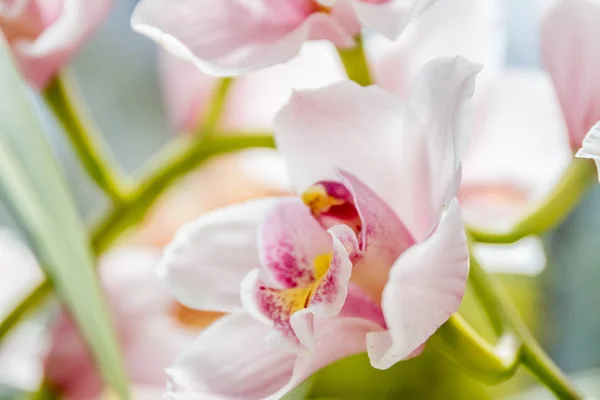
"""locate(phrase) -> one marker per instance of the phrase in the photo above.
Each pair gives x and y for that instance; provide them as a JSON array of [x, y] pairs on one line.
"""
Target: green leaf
[[33, 188]]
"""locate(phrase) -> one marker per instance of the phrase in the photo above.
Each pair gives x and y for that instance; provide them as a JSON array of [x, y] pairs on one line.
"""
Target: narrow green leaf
[[33, 188]]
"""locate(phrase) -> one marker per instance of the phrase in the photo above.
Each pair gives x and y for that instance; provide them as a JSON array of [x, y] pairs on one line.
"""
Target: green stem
[[355, 63], [460, 343], [62, 98], [215, 108], [556, 207], [179, 159], [34, 299], [505, 318], [183, 156]]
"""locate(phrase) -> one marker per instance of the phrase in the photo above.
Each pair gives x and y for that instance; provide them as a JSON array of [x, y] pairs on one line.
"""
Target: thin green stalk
[[64, 100], [355, 63], [177, 160], [575, 181], [215, 108], [505, 318], [34, 299], [180, 158], [460, 343]]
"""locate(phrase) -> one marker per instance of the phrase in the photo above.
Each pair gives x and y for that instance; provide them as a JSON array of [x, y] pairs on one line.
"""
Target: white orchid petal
[[208, 259], [425, 288], [591, 146]]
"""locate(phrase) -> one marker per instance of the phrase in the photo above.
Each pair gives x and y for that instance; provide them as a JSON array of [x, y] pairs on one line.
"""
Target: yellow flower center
[[299, 298], [317, 199]]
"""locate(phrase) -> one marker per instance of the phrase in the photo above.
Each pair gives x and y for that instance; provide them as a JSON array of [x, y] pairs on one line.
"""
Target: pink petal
[[384, 236], [234, 36], [335, 125], [570, 55], [382, 231], [414, 152], [425, 288], [291, 310], [591, 146], [289, 241], [472, 28], [67, 25], [519, 114], [438, 98], [149, 336], [231, 360], [389, 18], [208, 259]]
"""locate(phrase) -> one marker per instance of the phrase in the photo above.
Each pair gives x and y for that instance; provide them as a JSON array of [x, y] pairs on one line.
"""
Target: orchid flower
[[45, 34], [494, 193], [235, 36], [570, 55], [151, 327], [371, 256]]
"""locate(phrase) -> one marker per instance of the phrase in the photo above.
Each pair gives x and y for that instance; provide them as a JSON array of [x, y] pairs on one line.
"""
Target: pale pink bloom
[[516, 112], [45, 34], [570, 32], [591, 146], [235, 36], [150, 326], [373, 258]]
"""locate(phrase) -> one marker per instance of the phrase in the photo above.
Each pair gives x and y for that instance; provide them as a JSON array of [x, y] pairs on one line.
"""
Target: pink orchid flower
[[45, 34], [371, 257], [152, 328], [235, 36], [570, 55], [516, 110]]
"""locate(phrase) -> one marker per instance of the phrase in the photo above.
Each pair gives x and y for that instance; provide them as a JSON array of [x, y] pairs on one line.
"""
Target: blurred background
[[118, 74]]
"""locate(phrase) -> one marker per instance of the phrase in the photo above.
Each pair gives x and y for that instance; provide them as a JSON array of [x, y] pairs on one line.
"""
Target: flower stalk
[[216, 106], [505, 320], [179, 159], [63, 99], [573, 184], [355, 63]]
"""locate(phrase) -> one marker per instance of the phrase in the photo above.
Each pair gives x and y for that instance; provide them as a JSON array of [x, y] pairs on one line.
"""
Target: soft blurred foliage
[[118, 76]]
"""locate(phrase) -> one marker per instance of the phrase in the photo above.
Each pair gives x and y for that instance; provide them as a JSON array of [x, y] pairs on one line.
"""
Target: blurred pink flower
[[570, 32], [236, 36], [45, 34], [152, 328], [375, 252]]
